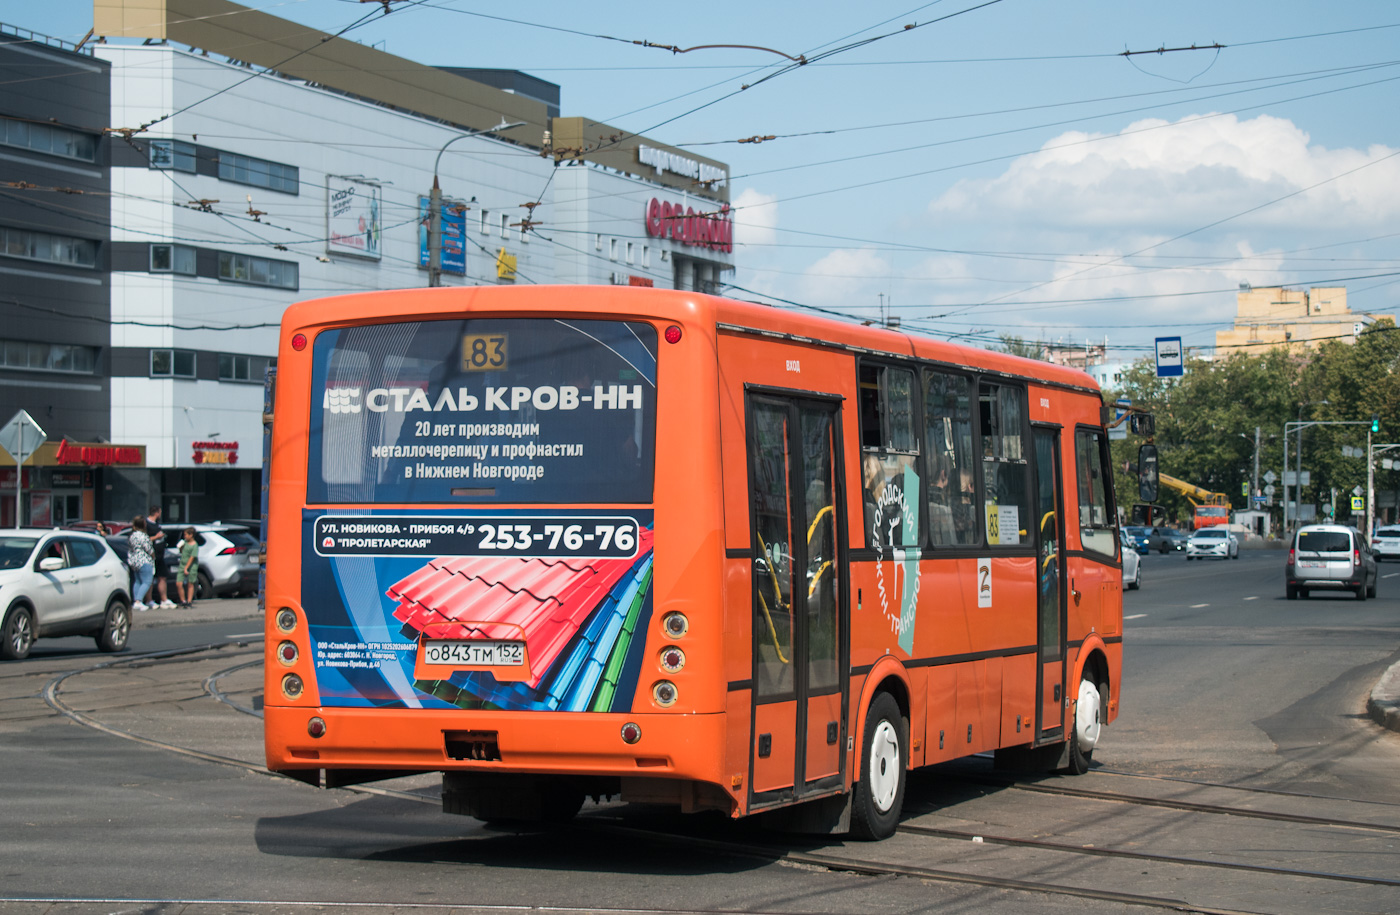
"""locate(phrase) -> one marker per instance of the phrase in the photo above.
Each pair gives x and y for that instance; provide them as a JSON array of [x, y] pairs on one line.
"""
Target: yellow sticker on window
[[483, 352]]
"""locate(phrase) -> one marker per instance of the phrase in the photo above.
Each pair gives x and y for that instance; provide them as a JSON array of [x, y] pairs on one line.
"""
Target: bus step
[[473, 745]]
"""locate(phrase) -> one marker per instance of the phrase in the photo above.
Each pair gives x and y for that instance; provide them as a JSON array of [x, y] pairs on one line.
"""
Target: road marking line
[[1391, 575], [1199, 606], [243, 635], [1135, 616], [1251, 598]]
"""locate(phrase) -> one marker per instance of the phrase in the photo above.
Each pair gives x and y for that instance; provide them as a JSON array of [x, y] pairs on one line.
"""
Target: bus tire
[[1292, 592], [879, 793], [1086, 727]]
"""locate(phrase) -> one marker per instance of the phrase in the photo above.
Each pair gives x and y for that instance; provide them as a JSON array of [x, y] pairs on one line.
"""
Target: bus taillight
[[673, 334], [316, 727], [286, 620], [291, 686], [631, 732], [664, 692], [676, 625], [672, 660], [299, 342], [287, 653]]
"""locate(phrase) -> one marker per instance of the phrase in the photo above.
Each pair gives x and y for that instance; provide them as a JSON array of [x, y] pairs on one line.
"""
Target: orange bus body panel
[[968, 685]]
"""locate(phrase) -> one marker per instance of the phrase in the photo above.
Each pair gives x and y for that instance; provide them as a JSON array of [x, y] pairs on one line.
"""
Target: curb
[[1383, 704]]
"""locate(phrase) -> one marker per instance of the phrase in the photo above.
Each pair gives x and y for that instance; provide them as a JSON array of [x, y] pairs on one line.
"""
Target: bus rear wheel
[[879, 794]]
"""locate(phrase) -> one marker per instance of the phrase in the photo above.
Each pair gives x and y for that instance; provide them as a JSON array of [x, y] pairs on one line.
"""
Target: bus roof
[[677, 305]]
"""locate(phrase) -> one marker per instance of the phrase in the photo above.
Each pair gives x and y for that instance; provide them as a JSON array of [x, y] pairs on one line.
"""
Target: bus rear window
[[484, 410]]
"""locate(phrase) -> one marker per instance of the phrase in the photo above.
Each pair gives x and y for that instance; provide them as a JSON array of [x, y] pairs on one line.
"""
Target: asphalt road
[[1242, 775]]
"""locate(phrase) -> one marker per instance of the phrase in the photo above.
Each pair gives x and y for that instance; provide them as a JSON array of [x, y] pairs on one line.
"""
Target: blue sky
[[1001, 167]]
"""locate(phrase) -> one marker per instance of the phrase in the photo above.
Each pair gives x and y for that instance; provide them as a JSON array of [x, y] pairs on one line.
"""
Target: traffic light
[[1375, 423]]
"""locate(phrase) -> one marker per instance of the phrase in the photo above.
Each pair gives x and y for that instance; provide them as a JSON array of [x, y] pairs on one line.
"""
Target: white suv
[[56, 583], [1386, 542]]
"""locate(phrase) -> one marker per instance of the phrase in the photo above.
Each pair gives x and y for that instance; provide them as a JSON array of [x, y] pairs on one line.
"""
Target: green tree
[[1019, 346]]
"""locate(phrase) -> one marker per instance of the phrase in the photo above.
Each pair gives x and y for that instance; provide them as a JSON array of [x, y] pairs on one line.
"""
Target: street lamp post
[[1300, 426], [435, 202]]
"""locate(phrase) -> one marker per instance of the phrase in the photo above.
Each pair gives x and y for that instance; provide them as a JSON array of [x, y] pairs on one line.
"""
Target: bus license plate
[[474, 653]]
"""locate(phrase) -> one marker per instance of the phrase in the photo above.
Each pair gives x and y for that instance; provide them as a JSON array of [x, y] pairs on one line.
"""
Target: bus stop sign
[[1169, 357]]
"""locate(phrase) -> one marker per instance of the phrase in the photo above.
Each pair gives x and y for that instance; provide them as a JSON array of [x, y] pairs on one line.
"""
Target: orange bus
[[561, 541]]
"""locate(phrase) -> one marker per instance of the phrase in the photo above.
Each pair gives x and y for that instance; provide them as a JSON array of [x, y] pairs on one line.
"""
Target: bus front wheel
[[879, 794], [1087, 726]]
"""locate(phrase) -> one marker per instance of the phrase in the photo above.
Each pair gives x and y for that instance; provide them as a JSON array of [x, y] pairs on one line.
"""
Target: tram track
[[833, 860], [1187, 806]]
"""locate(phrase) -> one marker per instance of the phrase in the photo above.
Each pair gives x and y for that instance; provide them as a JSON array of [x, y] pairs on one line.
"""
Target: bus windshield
[[536, 410]]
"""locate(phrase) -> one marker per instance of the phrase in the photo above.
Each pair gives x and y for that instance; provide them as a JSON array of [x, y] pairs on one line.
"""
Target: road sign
[[1290, 477], [22, 436], [1119, 432], [1170, 361], [1356, 490], [1270, 490], [1358, 504], [1270, 477], [1258, 500]]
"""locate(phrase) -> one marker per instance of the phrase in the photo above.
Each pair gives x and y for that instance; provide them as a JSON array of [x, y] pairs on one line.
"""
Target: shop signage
[[505, 266], [352, 217], [104, 455], [215, 452], [640, 281], [72, 479], [682, 224], [664, 162]]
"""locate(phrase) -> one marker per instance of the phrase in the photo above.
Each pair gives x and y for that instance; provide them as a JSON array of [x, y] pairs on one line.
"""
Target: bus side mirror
[[1147, 472]]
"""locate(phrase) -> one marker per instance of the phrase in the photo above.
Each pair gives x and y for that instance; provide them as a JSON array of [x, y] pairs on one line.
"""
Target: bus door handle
[[1074, 592]]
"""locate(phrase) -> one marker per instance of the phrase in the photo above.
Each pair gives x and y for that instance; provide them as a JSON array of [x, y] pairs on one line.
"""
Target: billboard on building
[[352, 217]]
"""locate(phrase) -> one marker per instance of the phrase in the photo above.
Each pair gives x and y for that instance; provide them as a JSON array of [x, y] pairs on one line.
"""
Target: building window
[[235, 368], [646, 256], [631, 259], [174, 154], [257, 271], [47, 357], [259, 173], [172, 363], [597, 243], [612, 249], [41, 246], [47, 138], [485, 222], [172, 259], [505, 226]]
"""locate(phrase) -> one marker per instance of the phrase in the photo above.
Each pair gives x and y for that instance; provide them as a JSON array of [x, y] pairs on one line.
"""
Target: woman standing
[[188, 576], [141, 557]]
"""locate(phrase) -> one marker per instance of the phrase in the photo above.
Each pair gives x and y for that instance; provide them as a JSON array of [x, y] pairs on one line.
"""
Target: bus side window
[[889, 457], [1097, 531], [1005, 499], [952, 485]]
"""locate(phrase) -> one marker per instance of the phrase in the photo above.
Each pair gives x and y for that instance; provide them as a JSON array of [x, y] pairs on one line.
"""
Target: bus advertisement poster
[[561, 593]]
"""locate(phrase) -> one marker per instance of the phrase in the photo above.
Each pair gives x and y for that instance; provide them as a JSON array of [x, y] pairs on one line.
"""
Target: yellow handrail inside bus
[[812, 529], [777, 595], [816, 579]]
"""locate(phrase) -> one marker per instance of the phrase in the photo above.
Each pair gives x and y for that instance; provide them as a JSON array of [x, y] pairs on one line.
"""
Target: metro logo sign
[[102, 455]]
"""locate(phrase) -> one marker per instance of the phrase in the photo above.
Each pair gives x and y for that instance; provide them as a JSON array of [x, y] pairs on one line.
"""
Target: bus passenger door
[[1050, 581], [799, 598]]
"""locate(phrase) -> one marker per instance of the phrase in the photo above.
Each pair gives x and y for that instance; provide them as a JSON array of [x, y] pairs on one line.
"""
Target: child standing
[[188, 576]]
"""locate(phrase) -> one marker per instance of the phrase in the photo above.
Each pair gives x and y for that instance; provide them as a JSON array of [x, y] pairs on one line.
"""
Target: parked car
[[120, 544], [113, 527], [1386, 542], [1138, 536], [228, 558], [57, 583], [1132, 565], [1167, 540], [1212, 543], [1333, 557]]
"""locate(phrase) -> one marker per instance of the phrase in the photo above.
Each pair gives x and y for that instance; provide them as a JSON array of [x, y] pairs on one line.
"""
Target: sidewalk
[[1384, 704], [215, 609]]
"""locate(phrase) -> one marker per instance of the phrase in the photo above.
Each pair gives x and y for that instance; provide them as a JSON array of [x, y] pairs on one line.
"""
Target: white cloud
[[1165, 177], [755, 217]]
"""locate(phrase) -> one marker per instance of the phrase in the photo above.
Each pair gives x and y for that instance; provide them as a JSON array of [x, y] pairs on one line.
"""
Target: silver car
[[228, 558], [1214, 542], [57, 583], [1330, 557]]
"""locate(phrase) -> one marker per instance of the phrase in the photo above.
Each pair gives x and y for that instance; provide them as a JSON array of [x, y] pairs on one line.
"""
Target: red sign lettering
[[714, 231]]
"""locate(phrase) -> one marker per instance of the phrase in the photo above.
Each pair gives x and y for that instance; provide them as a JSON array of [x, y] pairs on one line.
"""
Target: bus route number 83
[[483, 352]]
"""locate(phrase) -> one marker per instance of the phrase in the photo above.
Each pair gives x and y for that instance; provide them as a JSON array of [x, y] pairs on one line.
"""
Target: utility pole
[[435, 203], [1254, 486]]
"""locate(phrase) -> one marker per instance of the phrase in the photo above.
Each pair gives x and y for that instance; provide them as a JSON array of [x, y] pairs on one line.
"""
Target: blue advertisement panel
[[499, 609], [425, 582], [454, 235]]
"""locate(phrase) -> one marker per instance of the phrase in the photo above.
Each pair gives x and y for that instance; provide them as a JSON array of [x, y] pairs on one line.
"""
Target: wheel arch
[[887, 676], [1093, 661]]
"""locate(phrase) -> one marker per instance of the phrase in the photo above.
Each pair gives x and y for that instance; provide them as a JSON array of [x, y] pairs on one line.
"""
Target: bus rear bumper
[[672, 746]]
